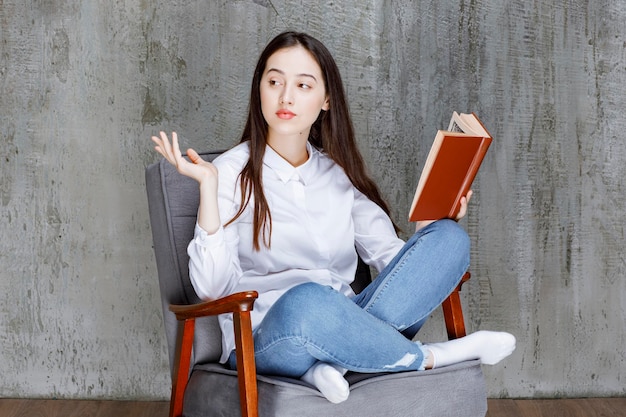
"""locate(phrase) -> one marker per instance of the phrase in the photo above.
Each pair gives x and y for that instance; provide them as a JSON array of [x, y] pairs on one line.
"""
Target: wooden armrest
[[453, 311], [464, 279], [238, 302]]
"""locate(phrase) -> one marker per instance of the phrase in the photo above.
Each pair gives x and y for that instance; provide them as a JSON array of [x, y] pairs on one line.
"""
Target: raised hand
[[198, 169], [202, 171]]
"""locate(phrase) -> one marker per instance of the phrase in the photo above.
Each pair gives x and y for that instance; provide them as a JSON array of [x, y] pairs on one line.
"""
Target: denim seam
[[376, 296]]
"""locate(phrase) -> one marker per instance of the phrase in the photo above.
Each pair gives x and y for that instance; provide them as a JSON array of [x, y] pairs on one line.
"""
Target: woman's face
[[292, 92]]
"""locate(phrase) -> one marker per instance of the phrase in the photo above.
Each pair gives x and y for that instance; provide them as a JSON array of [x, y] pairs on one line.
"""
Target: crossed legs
[[315, 333]]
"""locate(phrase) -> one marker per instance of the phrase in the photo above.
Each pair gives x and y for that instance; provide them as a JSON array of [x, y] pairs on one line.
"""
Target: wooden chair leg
[[246, 367], [453, 312], [182, 360]]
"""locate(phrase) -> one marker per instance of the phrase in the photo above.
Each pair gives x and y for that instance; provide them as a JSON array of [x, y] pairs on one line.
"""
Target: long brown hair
[[332, 133]]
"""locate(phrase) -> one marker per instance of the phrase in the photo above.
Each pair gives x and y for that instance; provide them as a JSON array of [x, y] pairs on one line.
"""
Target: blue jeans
[[372, 331]]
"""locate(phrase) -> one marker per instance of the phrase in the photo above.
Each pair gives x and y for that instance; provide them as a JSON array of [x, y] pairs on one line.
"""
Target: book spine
[[469, 178]]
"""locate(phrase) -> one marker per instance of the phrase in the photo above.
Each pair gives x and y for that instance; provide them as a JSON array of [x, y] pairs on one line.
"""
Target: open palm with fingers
[[196, 167]]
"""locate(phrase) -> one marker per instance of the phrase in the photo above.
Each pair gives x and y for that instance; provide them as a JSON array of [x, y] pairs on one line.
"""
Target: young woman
[[286, 216]]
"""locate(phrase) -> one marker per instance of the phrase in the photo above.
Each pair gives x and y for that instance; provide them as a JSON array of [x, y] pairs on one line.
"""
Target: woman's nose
[[286, 97]]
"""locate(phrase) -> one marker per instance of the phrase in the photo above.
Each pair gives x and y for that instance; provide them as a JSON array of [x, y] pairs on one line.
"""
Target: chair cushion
[[452, 391]]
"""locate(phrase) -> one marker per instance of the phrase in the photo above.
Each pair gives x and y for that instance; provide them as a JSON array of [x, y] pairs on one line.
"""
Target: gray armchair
[[201, 386]]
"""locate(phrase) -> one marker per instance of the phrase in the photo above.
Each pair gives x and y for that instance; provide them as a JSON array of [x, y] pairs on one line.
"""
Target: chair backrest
[[173, 203]]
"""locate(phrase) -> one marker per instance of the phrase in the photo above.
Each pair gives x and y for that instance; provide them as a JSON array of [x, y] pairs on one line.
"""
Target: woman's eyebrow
[[281, 72]]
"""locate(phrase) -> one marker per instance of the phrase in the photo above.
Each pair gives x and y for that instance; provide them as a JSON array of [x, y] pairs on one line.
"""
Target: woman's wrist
[[208, 211]]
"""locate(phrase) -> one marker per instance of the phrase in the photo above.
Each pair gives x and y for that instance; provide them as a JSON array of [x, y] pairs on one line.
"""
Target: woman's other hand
[[462, 212], [464, 203]]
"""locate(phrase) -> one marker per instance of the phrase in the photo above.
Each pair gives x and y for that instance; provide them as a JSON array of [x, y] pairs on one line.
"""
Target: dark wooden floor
[[76, 408], [586, 407], [583, 407]]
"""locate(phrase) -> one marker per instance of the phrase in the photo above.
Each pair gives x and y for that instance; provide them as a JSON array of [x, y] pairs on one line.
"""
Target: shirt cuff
[[206, 240]]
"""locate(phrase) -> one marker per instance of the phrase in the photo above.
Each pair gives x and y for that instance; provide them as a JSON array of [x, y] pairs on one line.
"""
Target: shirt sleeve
[[375, 237], [214, 268]]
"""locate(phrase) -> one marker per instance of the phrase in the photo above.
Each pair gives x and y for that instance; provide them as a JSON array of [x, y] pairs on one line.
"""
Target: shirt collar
[[285, 171]]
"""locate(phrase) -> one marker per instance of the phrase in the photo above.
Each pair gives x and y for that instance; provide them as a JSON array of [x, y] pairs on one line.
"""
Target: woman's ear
[[326, 105]]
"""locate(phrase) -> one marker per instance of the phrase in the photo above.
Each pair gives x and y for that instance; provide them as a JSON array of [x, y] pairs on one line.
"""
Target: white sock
[[489, 347], [329, 380]]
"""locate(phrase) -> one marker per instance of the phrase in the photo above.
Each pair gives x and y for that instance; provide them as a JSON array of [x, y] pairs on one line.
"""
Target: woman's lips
[[285, 114]]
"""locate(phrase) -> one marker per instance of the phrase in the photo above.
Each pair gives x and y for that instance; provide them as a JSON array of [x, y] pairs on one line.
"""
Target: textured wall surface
[[84, 84]]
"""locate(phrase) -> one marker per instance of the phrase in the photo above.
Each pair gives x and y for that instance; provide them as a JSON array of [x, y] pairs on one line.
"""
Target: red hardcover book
[[450, 168]]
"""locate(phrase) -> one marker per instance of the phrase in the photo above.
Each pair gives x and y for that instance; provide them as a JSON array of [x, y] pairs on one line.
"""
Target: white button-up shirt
[[319, 222]]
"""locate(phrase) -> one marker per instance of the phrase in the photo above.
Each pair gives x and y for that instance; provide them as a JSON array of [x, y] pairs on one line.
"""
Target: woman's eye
[[274, 82], [305, 86]]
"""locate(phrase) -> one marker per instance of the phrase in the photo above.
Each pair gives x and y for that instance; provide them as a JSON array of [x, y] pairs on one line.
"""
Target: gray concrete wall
[[84, 84]]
